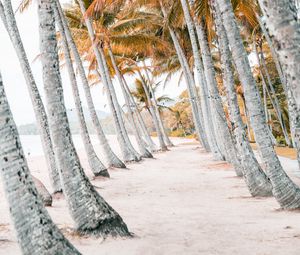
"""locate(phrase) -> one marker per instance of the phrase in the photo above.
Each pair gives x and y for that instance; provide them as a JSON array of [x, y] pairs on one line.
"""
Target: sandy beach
[[181, 202]]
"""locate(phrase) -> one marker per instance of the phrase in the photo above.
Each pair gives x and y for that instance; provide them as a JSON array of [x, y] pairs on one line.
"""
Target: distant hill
[[72, 115], [31, 128]]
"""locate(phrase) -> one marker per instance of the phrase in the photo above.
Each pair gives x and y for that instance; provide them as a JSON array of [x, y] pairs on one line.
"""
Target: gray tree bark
[[205, 97], [42, 190], [9, 21], [256, 180], [139, 119], [129, 154], [90, 212], [225, 138], [117, 106], [162, 144], [94, 162], [191, 88], [112, 159], [142, 146], [155, 105], [283, 24], [36, 232], [275, 101], [284, 190]]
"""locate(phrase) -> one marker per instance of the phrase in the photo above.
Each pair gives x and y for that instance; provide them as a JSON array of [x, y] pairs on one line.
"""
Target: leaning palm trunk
[[192, 92], [225, 137], [293, 114], [36, 232], [275, 101], [256, 180], [162, 144], [139, 119], [119, 117], [129, 154], [284, 190], [8, 18], [273, 97], [95, 164], [111, 158], [283, 16], [273, 52], [90, 212], [208, 122], [191, 88], [143, 150], [42, 190], [266, 92], [155, 105]]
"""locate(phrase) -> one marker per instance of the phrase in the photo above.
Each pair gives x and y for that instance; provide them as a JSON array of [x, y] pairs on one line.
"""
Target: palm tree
[[129, 153], [283, 16], [284, 190], [138, 21], [294, 114], [36, 232], [155, 105], [90, 212], [142, 145], [273, 97], [198, 114], [112, 159], [139, 119], [256, 180], [95, 164], [208, 122], [162, 144], [221, 127], [9, 21]]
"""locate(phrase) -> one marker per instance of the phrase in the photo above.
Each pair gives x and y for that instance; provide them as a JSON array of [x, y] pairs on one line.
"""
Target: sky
[[14, 82]]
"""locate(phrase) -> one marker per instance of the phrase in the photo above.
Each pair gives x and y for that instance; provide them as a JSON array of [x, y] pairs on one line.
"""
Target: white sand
[[182, 202]]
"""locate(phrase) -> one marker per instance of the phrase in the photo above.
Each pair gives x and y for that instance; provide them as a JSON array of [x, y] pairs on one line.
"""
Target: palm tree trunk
[[267, 117], [294, 114], [284, 190], [286, 35], [191, 88], [256, 180], [273, 52], [95, 164], [90, 212], [111, 158], [42, 190], [275, 101], [266, 89], [205, 97], [193, 94], [162, 144], [140, 121], [127, 152], [225, 138], [117, 106], [9, 21], [36, 232], [143, 150], [155, 105], [136, 129]]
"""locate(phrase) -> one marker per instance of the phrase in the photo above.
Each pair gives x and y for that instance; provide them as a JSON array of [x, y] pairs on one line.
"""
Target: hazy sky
[[14, 82]]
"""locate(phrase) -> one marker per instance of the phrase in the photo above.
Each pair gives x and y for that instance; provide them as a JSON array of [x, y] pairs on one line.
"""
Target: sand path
[[182, 202]]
